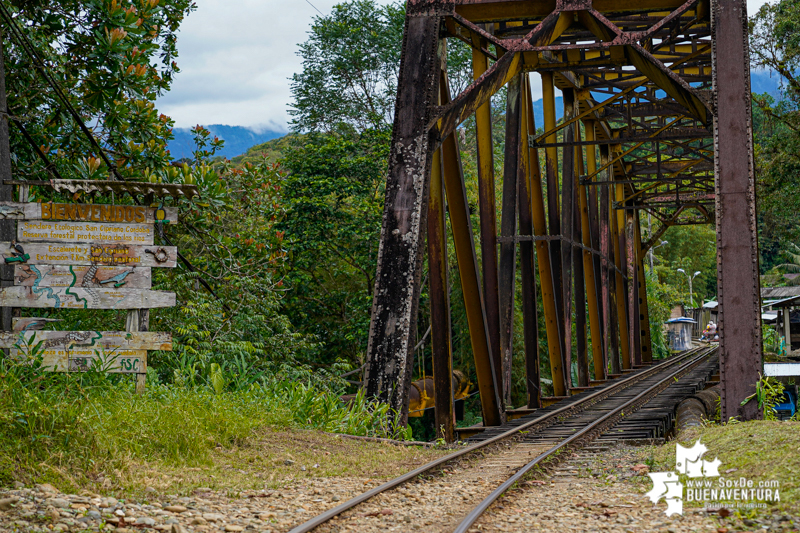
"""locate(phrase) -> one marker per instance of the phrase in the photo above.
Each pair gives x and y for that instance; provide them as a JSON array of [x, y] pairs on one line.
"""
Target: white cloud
[[236, 59], [754, 5]]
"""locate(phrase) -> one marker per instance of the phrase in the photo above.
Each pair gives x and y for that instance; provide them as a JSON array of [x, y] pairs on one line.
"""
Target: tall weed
[[84, 425]]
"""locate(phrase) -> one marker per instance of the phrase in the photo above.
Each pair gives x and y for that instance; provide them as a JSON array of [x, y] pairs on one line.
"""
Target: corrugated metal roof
[[680, 320], [780, 292], [769, 317], [784, 302]]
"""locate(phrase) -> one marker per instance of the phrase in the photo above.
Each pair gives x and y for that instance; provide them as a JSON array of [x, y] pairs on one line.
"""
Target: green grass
[[90, 431], [760, 451]]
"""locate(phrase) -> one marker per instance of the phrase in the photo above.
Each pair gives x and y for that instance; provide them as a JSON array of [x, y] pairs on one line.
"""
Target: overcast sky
[[236, 58]]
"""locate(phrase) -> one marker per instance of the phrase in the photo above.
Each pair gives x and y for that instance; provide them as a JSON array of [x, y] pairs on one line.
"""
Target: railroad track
[[519, 447]]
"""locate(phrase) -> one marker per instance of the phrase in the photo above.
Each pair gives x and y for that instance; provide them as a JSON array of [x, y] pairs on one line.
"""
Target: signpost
[[63, 253], [82, 276], [86, 212], [89, 232], [79, 298], [86, 256]]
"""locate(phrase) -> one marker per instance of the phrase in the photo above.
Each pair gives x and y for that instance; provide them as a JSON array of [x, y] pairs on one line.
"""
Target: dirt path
[[590, 492]]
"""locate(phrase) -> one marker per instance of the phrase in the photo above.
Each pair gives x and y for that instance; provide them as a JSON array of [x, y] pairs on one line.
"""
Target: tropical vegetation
[[280, 251]]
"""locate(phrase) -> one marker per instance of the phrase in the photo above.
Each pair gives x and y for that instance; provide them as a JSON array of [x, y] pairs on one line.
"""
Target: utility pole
[[6, 191], [650, 254]]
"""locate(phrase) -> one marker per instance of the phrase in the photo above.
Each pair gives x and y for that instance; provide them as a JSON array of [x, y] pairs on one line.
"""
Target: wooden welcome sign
[[86, 256]]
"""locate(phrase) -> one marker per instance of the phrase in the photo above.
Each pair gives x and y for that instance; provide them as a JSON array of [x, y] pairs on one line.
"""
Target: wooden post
[[7, 228], [138, 320], [787, 327]]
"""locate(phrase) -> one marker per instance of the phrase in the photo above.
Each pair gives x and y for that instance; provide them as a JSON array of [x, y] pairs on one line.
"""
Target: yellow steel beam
[[665, 79], [503, 10], [464, 105], [458, 208], [599, 106], [464, 243], [553, 213], [549, 103], [644, 313], [590, 54], [599, 30], [588, 261], [441, 345], [629, 150], [488, 211], [633, 289], [620, 79], [617, 222], [546, 279]]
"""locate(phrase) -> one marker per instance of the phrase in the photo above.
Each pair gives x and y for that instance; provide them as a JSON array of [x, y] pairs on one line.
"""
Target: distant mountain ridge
[[538, 111], [238, 139]]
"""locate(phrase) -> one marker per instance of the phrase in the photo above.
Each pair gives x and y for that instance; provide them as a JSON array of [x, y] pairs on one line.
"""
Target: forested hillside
[[237, 140]]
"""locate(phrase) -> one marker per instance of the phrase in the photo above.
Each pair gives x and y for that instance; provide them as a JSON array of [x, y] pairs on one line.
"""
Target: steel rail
[[586, 402], [595, 426]]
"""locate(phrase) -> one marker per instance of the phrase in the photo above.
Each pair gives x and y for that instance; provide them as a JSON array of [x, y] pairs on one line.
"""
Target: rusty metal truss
[[656, 121]]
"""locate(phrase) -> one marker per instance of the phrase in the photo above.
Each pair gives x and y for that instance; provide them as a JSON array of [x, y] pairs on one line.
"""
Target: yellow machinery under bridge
[[656, 105]]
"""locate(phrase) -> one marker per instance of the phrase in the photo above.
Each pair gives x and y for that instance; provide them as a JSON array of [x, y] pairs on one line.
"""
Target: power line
[[28, 47], [315, 7], [18, 35]]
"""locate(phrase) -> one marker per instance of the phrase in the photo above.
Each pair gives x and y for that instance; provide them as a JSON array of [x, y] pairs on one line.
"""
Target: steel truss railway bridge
[[656, 122]]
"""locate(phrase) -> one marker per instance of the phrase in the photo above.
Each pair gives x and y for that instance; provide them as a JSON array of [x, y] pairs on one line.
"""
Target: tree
[[111, 59], [777, 275], [775, 41], [351, 62], [692, 249], [775, 45], [350, 67], [343, 107], [333, 198]]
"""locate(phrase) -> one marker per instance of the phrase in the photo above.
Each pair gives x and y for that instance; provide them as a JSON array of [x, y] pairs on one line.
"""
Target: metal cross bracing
[[656, 121]]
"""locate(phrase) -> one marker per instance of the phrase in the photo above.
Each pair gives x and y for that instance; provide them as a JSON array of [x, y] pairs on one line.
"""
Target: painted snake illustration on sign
[[95, 297], [73, 338], [40, 290]]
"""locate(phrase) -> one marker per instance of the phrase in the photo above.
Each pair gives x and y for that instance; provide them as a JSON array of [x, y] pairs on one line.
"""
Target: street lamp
[[691, 297], [650, 253]]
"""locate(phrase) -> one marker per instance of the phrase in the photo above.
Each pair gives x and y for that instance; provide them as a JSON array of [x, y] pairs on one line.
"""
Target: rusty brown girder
[[644, 130]]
